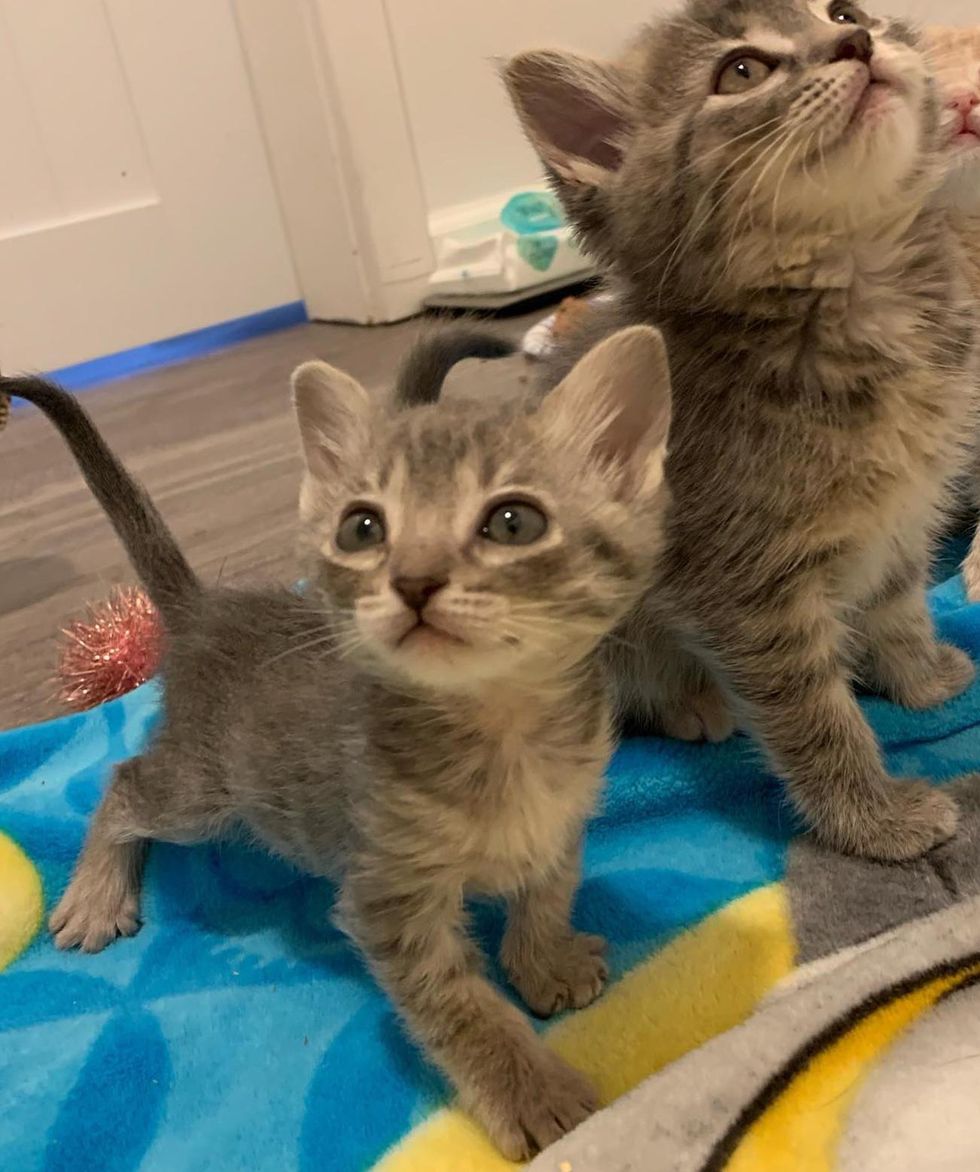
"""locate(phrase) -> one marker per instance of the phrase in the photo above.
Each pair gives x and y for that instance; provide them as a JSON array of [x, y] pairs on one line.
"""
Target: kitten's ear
[[333, 412], [616, 402], [575, 112]]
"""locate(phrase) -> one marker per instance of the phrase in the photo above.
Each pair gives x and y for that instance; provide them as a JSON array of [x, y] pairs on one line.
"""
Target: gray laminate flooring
[[213, 440]]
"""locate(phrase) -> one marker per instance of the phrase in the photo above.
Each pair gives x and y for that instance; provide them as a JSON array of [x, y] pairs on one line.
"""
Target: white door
[[136, 200]]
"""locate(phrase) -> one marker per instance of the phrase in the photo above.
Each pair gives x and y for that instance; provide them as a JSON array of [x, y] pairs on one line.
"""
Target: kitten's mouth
[[877, 95], [425, 633]]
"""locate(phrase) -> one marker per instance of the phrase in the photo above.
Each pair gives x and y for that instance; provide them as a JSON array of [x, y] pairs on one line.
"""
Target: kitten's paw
[[699, 716], [570, 978], [950, 674], [90, 919], [913, 819], [536, 1101], [971, 572]]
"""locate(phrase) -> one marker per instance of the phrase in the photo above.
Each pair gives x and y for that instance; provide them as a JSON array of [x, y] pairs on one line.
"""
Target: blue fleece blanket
[[239, 1030]]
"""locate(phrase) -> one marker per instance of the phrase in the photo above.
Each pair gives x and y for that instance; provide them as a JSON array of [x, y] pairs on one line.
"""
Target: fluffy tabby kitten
[[431, 719], [954, 54], [756, 176]]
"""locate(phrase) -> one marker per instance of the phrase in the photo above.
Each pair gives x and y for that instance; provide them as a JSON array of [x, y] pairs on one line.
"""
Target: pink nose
[[965, 102]]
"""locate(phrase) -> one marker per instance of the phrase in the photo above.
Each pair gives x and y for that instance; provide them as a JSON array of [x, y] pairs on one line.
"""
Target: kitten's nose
[[856, 45], [965, 102], [416, 592]]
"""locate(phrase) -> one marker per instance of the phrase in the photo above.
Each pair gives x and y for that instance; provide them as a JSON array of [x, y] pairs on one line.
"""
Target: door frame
[[325, 78]]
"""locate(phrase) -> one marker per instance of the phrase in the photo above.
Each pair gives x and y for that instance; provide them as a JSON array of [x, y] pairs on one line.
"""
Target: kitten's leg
[[784, 665], [660, 686], [905, 661], [552, 966], [102, 899], [144, 801], [523, 1094]]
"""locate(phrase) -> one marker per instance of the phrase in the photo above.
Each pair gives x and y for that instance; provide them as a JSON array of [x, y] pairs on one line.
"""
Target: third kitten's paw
[[913, 819], [950, 674], [570, 978], [90, 919], [971, 572], [699, 716], [538, 1099]]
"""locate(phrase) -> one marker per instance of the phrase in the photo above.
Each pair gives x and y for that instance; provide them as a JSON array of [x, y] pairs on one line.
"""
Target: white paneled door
[[136, 200]]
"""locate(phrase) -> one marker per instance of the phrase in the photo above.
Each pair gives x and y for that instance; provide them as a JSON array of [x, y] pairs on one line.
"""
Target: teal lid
[[532, 211]]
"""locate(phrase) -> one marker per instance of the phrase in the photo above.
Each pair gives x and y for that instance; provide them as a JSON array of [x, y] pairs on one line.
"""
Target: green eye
[[514, 523], [743, 74], [360, 529]]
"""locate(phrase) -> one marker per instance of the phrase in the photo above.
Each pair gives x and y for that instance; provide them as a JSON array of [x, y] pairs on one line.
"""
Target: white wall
[[934, 11], [467, 143]]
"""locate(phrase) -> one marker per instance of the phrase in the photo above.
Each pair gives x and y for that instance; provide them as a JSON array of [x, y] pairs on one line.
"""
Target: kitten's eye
[[360, 529], [843, 14], [514, 523], [742, 75]]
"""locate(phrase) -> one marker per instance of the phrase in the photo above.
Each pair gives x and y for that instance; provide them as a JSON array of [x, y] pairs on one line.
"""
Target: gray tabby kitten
[[756, 178], [431, 720]]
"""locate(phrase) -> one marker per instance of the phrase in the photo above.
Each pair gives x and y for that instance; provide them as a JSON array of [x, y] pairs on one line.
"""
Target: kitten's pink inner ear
[[617, 400], [574, 111], [332, 412]]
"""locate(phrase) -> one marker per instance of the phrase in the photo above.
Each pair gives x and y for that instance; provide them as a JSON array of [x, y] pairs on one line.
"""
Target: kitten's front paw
[[90, 920], [571, 977], [538, 1099], [950, 674], [913, 819]]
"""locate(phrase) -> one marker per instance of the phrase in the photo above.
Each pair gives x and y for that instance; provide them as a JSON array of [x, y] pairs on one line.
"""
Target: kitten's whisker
[[311, 644], [722, 146], [773, 151], [696, 222], [779, 188], [687, 238], [729, 142]]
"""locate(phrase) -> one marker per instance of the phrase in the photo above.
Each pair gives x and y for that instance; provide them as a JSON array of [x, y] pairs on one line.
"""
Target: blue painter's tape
[[183, 346]]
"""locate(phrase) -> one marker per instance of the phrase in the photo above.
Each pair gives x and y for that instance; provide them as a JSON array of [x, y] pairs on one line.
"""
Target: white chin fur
[[863, 170], [860, 177]]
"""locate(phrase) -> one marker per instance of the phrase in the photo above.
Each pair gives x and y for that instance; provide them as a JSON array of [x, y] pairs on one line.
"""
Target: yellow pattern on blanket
[[702, 983], [21, 901]]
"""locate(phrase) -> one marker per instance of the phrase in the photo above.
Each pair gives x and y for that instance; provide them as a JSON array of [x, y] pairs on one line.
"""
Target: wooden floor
[[214, 442]]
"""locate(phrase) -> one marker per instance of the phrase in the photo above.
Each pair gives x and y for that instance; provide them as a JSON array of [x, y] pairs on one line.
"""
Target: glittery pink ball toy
[[115, 650]]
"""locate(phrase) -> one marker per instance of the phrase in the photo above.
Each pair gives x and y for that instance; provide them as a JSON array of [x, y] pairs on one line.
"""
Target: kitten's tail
[[151, 547], [431, 358]]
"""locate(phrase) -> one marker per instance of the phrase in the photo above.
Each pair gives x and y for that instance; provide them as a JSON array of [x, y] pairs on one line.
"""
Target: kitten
[[756, 176], [431, 719], [954, 54]]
